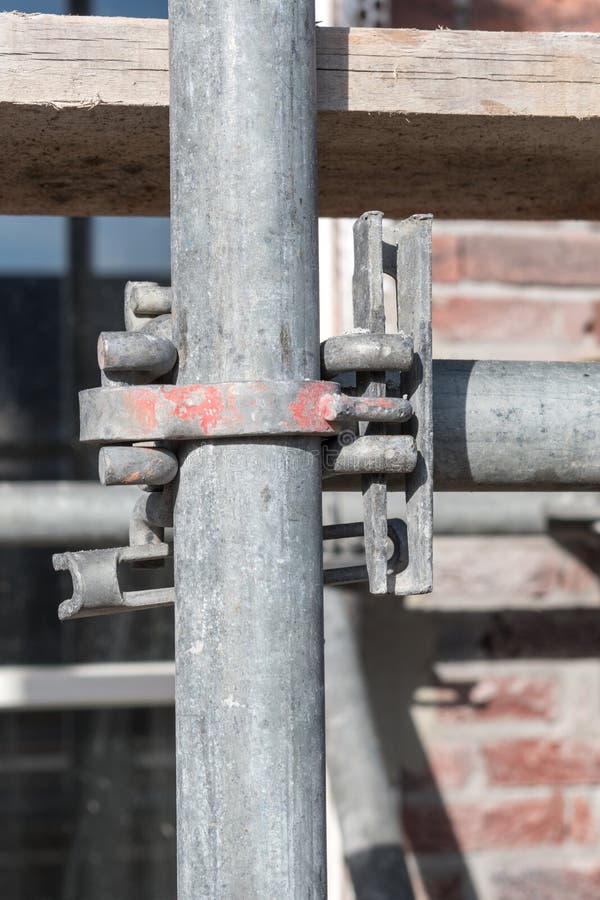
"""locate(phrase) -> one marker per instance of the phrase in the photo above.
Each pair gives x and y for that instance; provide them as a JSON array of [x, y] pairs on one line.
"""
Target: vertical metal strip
[[413, 294], [369, 313], [248, 554]]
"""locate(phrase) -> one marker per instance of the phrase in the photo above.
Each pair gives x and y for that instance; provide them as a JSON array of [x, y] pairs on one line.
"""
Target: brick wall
[[507, 799], [487, 693], [498, 15], [517, 290], [489, 723]]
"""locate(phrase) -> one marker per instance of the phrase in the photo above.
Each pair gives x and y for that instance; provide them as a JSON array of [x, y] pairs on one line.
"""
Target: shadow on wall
[[423, 723], [399, 650]]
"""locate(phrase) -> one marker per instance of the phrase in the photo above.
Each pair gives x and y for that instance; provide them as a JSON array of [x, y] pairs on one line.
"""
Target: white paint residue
[[229, 702], [196, 648]]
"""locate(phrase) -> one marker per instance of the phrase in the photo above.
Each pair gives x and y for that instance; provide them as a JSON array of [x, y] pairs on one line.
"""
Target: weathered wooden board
[[84, 115], [459, 123]]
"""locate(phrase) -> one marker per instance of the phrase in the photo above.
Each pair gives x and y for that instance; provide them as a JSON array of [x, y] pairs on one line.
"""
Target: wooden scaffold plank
[[468, 124]]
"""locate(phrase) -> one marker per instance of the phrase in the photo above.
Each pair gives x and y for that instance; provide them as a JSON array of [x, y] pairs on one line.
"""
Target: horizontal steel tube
[[458, 513], [71, 513], [494, 513], [511, 426], [87, 686], [516, 425], [66, 514]]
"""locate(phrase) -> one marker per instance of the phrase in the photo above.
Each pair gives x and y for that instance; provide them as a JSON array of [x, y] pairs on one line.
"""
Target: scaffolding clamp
[[373, 410]]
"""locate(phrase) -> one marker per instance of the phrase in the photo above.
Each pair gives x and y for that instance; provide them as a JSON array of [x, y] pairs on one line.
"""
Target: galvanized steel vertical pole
[[249, 639]]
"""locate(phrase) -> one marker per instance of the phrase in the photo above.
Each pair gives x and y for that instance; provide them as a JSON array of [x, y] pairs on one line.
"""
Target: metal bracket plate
[[405, 255]]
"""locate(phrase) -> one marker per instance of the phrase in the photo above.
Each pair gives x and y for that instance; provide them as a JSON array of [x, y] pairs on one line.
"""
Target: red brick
[[534, 15], [435, 828], [542, 761], [490, 15], [581, 821], [491, 571], [568, 259], [570, 883], [460, 318], [447, 767], [445, 258], [508, 697], [427, 14]]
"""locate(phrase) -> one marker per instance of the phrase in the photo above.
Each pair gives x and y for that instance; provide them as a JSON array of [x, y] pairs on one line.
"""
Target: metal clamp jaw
[[97, 574], [142, 353], [375, 414]]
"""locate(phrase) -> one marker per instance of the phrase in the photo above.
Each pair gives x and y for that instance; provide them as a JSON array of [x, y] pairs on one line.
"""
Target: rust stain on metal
[[233, 412], [188, 412], [327, 406], [307, 409], [142, 407], [204, 406]]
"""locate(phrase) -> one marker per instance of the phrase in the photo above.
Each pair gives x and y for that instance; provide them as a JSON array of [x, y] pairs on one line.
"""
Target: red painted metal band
[[196, 412]]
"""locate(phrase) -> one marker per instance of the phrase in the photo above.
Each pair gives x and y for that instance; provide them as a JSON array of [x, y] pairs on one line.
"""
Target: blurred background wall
[[487, 692]]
